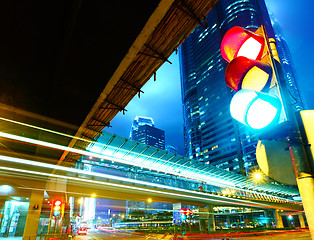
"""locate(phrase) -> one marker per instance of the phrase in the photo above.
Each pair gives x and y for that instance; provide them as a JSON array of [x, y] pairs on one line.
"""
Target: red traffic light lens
[[241, 42], [57, 203], [244, 73]]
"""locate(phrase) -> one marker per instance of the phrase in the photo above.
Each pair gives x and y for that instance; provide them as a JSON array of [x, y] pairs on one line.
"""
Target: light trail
[[201, 175], [110, 147], [102, 156], [203, 197], [45, 129], [102, 175]]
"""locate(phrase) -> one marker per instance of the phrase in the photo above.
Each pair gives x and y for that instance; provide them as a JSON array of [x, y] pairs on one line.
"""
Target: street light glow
[[258, 176]]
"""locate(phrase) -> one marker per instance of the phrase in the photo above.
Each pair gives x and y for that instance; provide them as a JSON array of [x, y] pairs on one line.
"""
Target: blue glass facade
[[210, 133], [143, 131], [287, 66]]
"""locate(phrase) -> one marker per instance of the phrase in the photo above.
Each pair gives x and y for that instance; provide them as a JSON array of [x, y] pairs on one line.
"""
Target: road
[[95, 234], [286, 236]]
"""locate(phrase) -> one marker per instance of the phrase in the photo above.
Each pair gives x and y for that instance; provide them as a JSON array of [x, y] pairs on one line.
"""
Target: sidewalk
[[11, 238]]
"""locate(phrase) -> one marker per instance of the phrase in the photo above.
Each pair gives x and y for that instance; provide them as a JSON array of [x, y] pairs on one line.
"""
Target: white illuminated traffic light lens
[[254, 109], [260, 114], [255, 79], [250, 49], [239, 103]]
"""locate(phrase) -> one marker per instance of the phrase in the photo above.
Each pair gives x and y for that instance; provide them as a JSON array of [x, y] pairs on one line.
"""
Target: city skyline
[[64, 173], [162, 99]]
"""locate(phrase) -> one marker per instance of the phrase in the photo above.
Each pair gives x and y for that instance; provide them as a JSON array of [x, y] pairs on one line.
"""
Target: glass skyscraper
[[211, 135], [144, 131]]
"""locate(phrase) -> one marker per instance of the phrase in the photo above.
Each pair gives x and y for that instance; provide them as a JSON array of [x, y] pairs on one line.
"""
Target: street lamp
[[258, 176], [149, 200]]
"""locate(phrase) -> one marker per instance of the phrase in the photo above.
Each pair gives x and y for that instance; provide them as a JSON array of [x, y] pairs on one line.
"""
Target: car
[[82, 231]]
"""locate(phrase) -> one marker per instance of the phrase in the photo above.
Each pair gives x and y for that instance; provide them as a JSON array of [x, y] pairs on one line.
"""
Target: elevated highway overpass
[[26, 175], [120, 168]]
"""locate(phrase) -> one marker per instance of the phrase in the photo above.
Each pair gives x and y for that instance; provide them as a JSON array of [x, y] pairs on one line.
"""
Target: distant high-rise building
[[211, 135], [172, 149], [143, 131]]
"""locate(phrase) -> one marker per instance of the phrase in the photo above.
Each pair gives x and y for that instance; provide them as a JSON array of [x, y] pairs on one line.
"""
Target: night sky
[[162, 99]]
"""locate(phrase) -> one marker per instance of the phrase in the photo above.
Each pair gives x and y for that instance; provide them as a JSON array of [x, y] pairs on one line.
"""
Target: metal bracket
[[133, 87], [115, 107], [159, 56], [102, 124], [189, 11], [88, 138]]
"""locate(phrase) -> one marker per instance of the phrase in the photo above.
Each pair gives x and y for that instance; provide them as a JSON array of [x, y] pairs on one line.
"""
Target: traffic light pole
[[304, 176], [300, 160]]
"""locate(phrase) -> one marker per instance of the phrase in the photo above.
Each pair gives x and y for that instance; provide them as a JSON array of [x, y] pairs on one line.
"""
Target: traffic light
[[185, 212], [251, 75], [57, 208]]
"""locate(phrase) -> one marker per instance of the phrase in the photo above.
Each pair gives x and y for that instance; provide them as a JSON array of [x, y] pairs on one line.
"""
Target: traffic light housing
[[250, 74], [185, 212], [242, 70], [57, 204], [241, 42]]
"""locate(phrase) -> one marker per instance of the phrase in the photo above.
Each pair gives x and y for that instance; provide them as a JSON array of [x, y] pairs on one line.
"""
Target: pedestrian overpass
[[134, 171]]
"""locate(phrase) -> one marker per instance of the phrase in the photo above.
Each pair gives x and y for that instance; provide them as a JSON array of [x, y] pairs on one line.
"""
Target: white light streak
[[106, 176], [203, 196]]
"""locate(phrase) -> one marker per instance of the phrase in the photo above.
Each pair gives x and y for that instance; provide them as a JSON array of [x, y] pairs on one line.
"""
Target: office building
[[144, 131], [172, 149], [211, 135]]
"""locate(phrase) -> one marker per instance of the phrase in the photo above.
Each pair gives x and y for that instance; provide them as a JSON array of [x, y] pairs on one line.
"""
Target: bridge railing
[[180, 182]]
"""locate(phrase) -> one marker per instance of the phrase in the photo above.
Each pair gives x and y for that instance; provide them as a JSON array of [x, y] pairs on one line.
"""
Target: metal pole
[[50, 219], [304, 176], [301, 165]]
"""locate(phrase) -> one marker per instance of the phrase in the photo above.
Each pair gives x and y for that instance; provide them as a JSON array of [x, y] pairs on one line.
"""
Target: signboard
[[177, 206], [177, 213], [203, 213], [177, 216]]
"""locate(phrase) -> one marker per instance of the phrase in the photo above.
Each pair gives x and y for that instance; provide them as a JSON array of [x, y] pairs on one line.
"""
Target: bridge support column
[[278, 218], [229, 221], [203, 215], [301, 220], [202, 225], [266, 215], [211, 219], [33, 215]]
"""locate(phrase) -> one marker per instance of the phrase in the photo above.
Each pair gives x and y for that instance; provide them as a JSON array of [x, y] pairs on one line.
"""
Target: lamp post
[[150, 201], [256, 176]]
